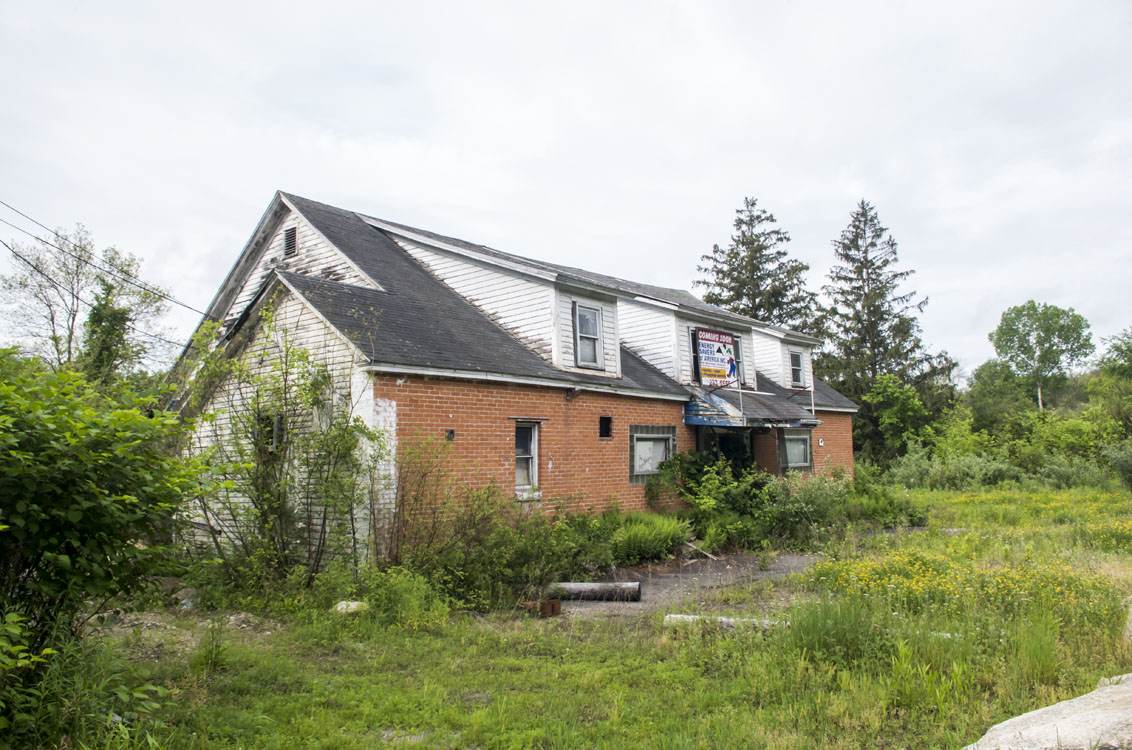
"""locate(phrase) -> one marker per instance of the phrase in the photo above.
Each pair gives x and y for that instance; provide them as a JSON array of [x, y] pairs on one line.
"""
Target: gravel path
[[665, 586]]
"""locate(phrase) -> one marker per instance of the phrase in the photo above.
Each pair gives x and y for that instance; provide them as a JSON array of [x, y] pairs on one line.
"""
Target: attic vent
[[290, 242]]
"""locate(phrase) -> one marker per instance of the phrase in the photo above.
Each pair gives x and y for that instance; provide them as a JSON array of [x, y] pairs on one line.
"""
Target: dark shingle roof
[[417, 320], [444, 332], [674, 296], [824, 394]]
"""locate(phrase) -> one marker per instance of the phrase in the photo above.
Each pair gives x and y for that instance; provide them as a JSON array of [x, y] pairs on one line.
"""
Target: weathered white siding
[[650, 331], [314, 256], [609, 334], [768, 356], [523, 306], [231, 405]]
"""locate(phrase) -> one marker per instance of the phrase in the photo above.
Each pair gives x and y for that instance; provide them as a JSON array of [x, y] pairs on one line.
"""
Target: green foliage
[[1040, 341], [1120, 458], [647, 536], [50, 305], [1117, 359], [18, 664], [899, 416], [293, 471], [90, 496], [996, 396], [872, 330], [801, 509], [754, 275]]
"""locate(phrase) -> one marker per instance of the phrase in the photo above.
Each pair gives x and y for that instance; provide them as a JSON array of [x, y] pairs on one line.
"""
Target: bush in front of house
[[648, 536]]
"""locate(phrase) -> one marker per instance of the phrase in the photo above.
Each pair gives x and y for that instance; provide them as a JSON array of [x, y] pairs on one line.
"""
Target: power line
[[75, 295], [113, 272]]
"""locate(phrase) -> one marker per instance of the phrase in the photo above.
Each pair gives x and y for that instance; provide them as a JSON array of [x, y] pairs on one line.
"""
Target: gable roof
[[679, 297], [417, 326]]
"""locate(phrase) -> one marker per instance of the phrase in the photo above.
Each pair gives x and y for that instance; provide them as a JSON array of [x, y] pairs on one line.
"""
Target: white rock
[[1100, 720], [346, 608]]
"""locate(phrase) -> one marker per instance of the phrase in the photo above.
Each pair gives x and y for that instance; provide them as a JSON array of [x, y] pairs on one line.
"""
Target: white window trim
[[788, 435], [801, 382], [599, 343], [737, 341], [530, 491]]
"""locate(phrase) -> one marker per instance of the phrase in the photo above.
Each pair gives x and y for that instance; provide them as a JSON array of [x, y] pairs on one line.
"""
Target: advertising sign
[[716, 351]]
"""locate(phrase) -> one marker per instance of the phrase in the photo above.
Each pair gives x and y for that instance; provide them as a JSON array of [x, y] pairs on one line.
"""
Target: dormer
[[784, 356], [587, 337]]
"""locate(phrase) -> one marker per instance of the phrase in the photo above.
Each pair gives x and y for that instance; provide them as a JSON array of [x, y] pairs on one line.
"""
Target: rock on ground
[[1100, 720]]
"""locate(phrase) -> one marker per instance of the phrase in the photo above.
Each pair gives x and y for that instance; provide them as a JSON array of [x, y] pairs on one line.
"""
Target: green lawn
[[1009, 601]]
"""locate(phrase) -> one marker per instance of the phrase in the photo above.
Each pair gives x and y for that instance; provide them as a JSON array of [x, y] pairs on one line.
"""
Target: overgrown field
[[1006, 602]]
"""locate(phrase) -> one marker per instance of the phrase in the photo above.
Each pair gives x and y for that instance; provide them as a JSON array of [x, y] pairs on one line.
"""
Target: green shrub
[[1120, 459], [401, 598], [89, 495], [800, 508], [648, 536]]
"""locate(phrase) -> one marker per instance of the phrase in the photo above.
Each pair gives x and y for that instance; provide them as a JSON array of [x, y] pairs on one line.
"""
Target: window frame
[[737, 340], [599, 344], [801, 368], [638, 433], [527, 490], [797, 434]]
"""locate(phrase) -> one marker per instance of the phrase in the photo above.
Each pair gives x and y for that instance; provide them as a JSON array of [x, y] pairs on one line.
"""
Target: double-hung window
[[526, 457], [797, 374], [798, 454], [587, 337]]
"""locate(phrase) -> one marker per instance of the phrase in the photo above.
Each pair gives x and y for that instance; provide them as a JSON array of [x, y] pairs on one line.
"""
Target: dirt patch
[[667, 586]]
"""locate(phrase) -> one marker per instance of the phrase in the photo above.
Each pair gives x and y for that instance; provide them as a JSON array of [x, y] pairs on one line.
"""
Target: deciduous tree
[[50, 295], [1042, 341], [755, 276]]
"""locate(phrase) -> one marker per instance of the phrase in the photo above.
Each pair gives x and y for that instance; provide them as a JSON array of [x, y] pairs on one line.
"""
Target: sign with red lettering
[[716, 352]]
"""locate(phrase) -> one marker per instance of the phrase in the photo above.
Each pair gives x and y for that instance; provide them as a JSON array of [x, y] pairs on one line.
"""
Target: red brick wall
[[831, 442], [766, 451], [836, 431], [574, 464]]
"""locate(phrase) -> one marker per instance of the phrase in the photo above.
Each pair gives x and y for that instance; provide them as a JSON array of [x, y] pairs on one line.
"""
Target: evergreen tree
[[754, 276], [871, 326]]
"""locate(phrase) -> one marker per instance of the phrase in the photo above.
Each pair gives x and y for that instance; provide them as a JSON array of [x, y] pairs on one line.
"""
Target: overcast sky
[[994, 139]]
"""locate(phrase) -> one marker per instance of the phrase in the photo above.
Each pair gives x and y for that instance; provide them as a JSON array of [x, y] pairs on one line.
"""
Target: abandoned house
[[552, 381]]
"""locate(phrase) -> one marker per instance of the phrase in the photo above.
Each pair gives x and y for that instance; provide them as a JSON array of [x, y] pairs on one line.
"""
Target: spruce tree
[[754, 275], [871, 327]]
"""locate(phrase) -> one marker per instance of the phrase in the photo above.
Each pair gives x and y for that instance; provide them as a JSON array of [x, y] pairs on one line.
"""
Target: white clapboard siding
[[296, 326], [611, 348], [649, 331], [768, 356], [522, 306], [314, 256]]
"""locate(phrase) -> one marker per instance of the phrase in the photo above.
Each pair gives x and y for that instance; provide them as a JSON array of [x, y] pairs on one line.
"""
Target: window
[[796, 374], [649, 447], [739, 359], [587, 337], [267, 433], [526, 457], [290, 242], [605, 427], [797, 443]]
